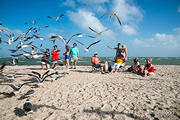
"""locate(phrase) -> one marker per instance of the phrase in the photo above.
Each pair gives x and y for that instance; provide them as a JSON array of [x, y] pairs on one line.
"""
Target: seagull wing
[[38, 78], [93, 44], [59, 16], [73, 36], [52, 18], [11, 85], [118, 19], [2, 67], [39, 75], [94, 30], [80, 43], [45, 74]]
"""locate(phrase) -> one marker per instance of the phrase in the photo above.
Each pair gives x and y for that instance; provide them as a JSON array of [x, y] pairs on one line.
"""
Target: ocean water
[[86, 61]]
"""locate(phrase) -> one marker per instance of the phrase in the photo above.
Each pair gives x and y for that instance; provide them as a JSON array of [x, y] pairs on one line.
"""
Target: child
[[139, 69], [44, 59], [149, 68], [134, 65], [66, 54], [120, 62]]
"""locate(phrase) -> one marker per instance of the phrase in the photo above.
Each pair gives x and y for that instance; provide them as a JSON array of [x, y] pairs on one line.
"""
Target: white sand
[[82, 95]]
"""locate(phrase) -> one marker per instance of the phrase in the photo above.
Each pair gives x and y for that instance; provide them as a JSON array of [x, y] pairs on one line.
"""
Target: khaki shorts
[[74, 59]]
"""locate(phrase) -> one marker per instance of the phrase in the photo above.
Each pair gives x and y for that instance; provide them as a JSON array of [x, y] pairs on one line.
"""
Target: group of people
[[120, 58], [72, 53]]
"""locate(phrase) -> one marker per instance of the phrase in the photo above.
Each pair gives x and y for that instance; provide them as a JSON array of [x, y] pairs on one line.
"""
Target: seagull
[[79, 35], [113, 15], [38, 76], [15, 89], [59, 75], [57, 37], [56, 19], [27, 107], [87, 49], [98, 33], [21, 46], [41, 38], [2, 68]]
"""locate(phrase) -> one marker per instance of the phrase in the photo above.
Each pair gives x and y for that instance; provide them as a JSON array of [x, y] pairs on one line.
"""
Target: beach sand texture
[[83, 95]]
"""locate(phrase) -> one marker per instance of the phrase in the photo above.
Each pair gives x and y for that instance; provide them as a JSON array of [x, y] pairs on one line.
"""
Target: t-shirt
[[118, 51], [74, 52], [120, 60], [134, 65], [55, 55], [95, 60], [45, 55]]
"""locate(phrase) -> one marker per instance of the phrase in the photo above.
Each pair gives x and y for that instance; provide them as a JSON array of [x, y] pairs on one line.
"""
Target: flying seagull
[[79, 35], [15, 89], [57, 37], [56, 19], [31, 22], [41, 78], [87, 49], [113, 15], [98, 33]]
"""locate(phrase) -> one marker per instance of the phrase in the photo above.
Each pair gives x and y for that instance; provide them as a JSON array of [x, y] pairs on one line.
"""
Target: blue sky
[[149, 28]]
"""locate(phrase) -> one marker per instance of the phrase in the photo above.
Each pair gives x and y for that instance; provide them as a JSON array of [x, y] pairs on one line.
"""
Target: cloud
[[70, 3], [128, 30], [126, 11], [161, 40], [84, 19]]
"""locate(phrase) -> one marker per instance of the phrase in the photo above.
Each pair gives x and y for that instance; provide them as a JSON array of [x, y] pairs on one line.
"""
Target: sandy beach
[[82, 95]]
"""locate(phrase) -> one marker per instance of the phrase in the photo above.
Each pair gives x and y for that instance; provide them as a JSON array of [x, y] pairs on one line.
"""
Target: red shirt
[[55, 55], [95, 60], [150, 67]]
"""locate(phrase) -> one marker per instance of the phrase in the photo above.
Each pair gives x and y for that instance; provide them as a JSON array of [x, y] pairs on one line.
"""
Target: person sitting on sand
[[66, 54], [44, 59], [97, 63], [118, 49], [74, 52], [134, 66], [139, 70], [55, 56], [120, 62], [149, 68]]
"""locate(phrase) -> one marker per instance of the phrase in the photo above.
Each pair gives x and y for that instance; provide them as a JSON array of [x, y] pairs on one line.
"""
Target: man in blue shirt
[[74, 53]]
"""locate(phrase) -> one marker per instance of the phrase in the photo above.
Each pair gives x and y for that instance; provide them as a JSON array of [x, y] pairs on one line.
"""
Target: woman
[[66, 54], [124, 51], [149, 68], [55, 56]]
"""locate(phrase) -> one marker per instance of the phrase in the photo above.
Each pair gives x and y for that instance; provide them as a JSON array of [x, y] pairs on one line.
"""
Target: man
[[97, 63], [44, 59], [74, 53], [118, 49]]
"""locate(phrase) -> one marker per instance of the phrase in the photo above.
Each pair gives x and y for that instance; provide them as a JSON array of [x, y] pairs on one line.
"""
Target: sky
[[150, 28]]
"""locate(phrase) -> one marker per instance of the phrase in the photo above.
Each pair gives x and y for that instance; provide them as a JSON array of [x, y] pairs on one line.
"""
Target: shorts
[[74, 59], [44, 62], [117, 66], [66, 56], [55, 61]]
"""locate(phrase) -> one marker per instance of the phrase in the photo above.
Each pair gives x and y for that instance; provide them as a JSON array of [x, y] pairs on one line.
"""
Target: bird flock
[[23, 46]]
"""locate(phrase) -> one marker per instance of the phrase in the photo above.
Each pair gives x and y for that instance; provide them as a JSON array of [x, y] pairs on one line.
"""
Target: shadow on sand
[[102, 114]]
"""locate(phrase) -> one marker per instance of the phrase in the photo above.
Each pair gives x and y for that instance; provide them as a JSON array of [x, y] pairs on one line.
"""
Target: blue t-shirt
[[74, 52]]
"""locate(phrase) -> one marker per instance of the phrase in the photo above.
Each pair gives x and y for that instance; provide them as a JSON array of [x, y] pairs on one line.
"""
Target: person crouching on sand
[[149, 68], [66, 54], [55, 56]]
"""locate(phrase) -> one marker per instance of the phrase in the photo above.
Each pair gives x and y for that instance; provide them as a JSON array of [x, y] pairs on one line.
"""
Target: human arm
[[111, 47]]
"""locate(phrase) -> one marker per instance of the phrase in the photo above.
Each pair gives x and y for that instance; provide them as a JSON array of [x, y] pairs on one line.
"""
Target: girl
[[66, 54], [149, 68], [55, 56], [124, 51]]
